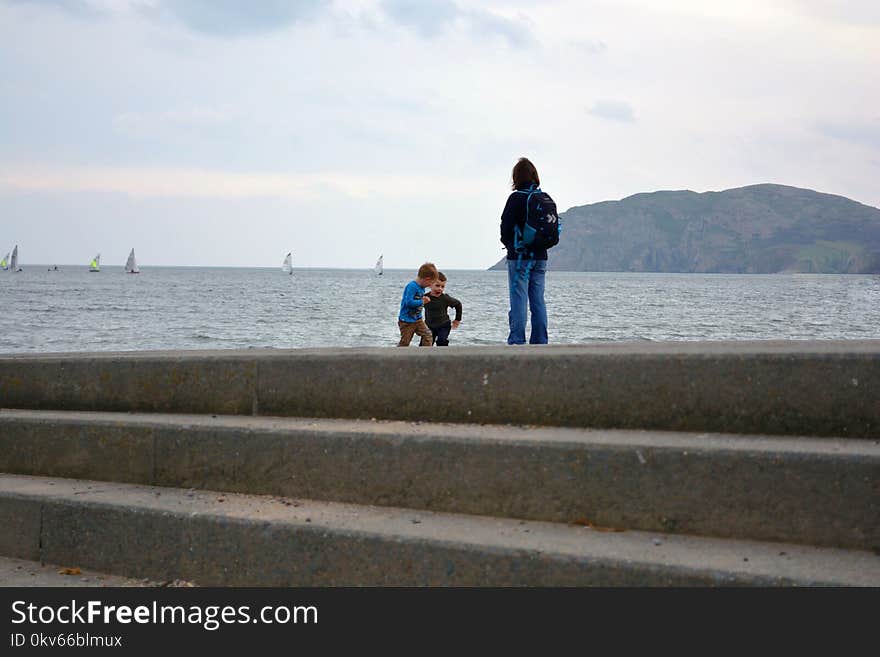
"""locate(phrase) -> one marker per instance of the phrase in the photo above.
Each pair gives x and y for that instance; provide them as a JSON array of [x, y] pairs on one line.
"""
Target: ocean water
[[221, 308]]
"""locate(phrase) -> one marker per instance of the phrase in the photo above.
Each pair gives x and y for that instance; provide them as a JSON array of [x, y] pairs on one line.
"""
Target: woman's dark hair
[[524, 174]]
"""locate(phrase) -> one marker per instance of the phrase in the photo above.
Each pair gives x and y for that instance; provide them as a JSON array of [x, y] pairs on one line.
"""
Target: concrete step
[[23, 572], [817, 491], [224, 539], [827, 388]]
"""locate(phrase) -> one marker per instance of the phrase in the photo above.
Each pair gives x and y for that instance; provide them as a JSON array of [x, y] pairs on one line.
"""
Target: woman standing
[[526, 264]]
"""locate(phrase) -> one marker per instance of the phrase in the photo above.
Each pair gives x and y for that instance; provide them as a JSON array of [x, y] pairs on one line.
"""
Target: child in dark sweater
[[437, 311]]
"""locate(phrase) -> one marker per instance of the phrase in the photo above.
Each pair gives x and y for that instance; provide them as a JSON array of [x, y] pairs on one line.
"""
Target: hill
[[755, 229]]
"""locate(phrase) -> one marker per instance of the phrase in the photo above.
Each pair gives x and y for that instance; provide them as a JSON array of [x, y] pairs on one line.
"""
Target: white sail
[[131, 265], [13, 264], [380, 268], [287, 266], [95, 264], [4, 264]]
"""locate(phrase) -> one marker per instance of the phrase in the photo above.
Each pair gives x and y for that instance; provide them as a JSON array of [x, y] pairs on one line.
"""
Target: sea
[[72, 309]]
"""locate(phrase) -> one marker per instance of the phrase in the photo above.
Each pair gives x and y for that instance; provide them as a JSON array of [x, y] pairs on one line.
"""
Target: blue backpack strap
[[533, 189], [523, 270]]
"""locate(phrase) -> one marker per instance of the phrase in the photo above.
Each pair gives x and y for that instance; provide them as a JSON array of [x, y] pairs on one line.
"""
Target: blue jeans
[[526, 286], [441, 334]]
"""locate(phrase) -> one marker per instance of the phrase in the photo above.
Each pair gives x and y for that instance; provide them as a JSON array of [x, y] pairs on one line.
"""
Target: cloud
[[146, 182], [852, 12], [863, 133], [151, 124], [589, 46], [516, 32], [427, 17], [232, 18], [81, 8], [613, 110], [430, 18]]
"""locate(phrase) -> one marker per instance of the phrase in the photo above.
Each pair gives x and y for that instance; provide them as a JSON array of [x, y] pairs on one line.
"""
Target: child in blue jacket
[[410, 321]]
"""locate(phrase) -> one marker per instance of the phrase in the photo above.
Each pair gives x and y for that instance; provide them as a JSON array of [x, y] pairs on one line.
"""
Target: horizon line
[[140, 266]]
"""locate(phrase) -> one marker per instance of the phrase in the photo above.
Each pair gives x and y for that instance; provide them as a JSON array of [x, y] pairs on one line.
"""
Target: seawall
[[748, 463]]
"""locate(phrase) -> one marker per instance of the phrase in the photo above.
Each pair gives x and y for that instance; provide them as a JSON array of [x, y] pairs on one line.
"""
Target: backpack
[[542, 226]]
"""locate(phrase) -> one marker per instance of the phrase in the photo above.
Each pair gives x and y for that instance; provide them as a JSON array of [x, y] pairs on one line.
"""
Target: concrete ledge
[[237, 540], [59, 444], [818, 491], [20, 520], [149, 381], [796, 388]]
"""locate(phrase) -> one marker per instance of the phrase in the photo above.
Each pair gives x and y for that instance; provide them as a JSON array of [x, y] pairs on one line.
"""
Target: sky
[[227, 133]]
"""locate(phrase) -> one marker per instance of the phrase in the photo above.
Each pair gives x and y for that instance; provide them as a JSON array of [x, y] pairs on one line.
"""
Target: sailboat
[[287, 266], [13, 264], [379, 268], [95, 264], [131, 265], [4, 264]]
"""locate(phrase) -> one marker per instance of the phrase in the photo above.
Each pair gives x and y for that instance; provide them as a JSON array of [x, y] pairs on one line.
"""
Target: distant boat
[[95, 264], [13, 264], [379, 268], [287, 267], [4, 264], [131, 265]]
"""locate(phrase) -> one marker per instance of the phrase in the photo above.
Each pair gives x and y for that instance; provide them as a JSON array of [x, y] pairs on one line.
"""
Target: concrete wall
[[806, 388]]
